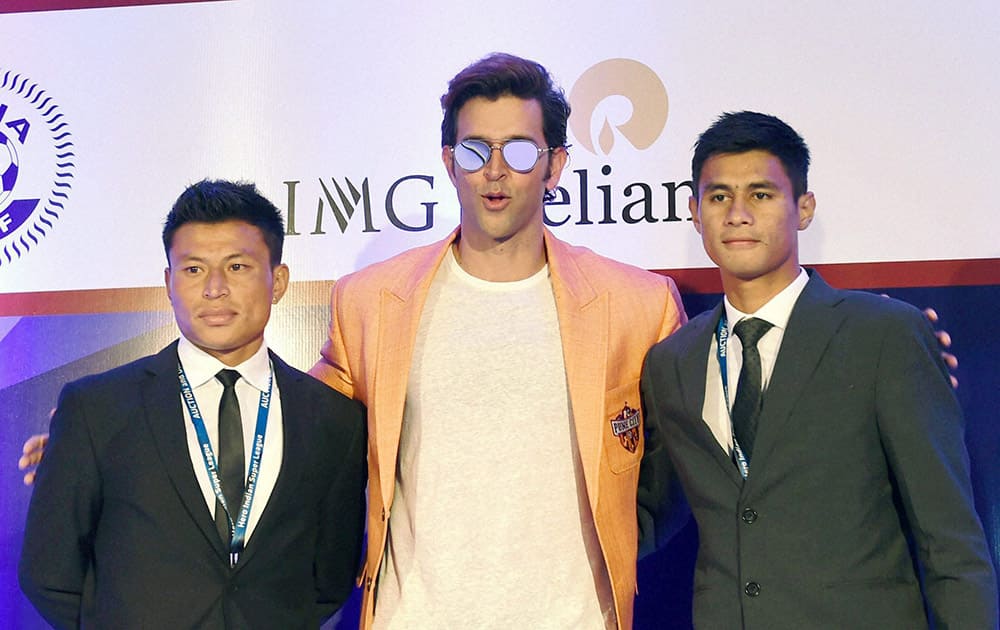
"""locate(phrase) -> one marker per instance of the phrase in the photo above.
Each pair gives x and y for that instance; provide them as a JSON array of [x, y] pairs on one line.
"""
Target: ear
[[166, 283], [807, 207], [695, 214], [449, 163], [558, 158], [279, 282]]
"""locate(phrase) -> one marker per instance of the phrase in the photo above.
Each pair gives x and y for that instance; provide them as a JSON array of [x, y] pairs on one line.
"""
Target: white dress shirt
[[201, 368], [778, 309]]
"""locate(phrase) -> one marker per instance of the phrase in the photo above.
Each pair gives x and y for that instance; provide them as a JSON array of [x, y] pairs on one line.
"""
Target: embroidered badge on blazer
[[626, 426]]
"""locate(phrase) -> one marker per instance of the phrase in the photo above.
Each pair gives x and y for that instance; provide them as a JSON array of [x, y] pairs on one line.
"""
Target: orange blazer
[[609, 316]]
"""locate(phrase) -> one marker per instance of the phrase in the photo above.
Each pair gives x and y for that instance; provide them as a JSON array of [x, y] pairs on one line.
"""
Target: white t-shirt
[[490, 526]]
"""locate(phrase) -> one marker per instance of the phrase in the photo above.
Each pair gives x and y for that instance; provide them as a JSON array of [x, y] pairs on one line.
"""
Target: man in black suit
[[210, 485], [813, 430]]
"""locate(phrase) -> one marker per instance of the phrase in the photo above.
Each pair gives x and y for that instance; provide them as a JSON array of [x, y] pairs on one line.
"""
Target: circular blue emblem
[[37, 162]]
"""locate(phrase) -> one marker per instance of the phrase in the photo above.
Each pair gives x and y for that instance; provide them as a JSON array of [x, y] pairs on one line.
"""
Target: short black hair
[[739, 132], [502, 74], [218, 200]]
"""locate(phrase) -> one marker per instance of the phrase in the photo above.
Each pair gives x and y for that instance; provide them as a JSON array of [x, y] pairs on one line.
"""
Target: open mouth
[[495, 201]]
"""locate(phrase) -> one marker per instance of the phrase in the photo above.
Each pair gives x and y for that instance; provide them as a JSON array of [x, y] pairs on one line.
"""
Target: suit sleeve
[[661, 506], [333, 367], [342, 513], [660, 503], [56, 557], [922, 431]]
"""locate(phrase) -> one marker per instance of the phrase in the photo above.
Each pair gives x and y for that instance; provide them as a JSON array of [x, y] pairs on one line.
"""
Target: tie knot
[[228, 378], [750, 330]]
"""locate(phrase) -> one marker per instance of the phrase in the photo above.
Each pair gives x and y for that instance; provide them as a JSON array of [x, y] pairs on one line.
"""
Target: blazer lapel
[[583, 328], [161, 396], [812, 325], [692, 372], [400, 306], [294, 444]]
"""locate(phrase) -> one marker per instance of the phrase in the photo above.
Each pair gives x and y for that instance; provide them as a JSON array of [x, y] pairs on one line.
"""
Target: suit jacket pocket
[[622, 425]]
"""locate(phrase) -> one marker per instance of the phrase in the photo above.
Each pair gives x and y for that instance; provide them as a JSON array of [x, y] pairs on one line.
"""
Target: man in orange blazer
[[500, 368]]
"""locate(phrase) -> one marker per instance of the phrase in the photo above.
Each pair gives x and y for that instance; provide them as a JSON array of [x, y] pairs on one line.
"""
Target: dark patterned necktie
[[229, 453], [746, 406]]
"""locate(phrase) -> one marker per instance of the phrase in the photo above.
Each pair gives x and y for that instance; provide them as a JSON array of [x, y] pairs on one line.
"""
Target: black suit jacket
[[859, 476], [119, 535]]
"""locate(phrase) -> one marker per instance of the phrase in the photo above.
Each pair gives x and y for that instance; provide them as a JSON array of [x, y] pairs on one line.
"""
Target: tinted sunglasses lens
[[472, 155], [520, 155]]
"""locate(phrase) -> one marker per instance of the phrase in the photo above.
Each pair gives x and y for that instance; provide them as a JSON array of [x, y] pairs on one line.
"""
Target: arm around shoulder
[[673, 316], [333, 367], [64, 510]]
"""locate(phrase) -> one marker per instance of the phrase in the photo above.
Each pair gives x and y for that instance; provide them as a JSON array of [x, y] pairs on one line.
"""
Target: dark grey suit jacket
[[859, 476], [119, 535]]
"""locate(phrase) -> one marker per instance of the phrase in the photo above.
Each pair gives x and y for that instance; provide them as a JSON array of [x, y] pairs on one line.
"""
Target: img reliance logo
[[613, 100], [36, 165]]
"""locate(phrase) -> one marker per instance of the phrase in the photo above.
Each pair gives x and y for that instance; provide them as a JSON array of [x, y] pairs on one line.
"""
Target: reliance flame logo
[[627, 78]]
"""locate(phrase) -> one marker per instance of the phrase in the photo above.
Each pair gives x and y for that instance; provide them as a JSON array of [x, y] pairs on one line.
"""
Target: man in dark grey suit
[[142, 459], [814, 431]]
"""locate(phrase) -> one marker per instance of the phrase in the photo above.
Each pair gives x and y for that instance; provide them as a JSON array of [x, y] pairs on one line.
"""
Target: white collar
[[777, 310], [201, 367]]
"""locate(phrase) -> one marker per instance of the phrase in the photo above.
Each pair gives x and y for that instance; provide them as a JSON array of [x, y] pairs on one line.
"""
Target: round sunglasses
[[520, 154]]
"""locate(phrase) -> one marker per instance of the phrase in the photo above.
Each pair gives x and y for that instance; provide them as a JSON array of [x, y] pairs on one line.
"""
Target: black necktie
[[747, 405], [229, 453]]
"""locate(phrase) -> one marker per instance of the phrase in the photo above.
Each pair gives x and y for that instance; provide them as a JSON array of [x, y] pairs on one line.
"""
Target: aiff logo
[[36, 164], [627, 78]]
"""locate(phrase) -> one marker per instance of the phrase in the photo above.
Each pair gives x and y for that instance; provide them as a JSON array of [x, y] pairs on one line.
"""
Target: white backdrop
[[896, 98]]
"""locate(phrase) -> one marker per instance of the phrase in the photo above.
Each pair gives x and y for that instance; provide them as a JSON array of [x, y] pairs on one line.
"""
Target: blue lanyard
[[239, 527], [721, 337]]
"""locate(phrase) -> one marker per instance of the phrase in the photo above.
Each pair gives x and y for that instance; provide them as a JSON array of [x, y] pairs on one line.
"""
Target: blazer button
[[368, 583], [749, 515], [752, 589], [383, 514]]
